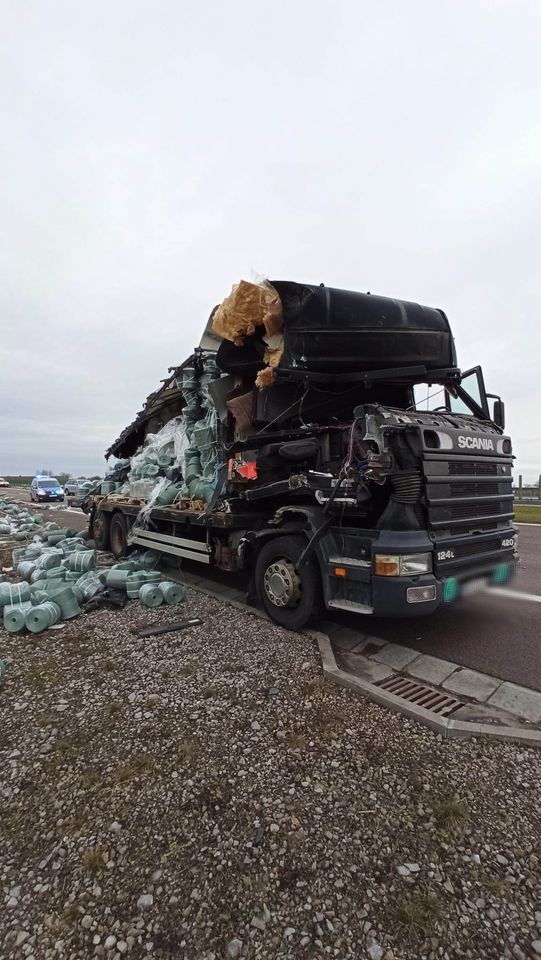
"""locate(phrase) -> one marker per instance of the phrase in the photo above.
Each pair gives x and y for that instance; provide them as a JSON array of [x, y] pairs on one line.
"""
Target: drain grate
[[422, 696]]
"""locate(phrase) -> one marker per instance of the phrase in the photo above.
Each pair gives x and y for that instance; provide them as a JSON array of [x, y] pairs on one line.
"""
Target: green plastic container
[[173, 593], [151, 595]]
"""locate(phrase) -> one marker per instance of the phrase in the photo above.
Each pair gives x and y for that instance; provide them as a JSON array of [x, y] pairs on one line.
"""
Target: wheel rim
[[282, 584]]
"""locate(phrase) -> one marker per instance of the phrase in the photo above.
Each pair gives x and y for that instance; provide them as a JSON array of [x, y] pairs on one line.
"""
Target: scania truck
[[370, 474]]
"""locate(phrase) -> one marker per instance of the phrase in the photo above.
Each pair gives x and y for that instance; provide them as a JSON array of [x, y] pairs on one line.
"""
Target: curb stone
[[446, 727]]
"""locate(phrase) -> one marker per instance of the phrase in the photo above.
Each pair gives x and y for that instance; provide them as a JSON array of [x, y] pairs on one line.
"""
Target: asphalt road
[[65, 516], [498, 634]]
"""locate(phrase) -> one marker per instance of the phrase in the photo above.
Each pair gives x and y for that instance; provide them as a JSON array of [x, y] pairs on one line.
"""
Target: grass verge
[[528, 513]]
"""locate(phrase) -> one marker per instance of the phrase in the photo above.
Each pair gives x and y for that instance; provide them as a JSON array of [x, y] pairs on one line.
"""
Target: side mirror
[[499, 413]]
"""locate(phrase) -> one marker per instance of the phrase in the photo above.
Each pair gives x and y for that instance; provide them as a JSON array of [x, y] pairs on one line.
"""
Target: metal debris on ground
[[156, 631]]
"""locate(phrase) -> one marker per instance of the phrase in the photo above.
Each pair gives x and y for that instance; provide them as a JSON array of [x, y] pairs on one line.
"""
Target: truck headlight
[[405, 565]]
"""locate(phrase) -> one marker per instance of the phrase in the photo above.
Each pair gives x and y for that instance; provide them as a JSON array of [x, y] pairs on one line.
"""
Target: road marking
[[515, 594], [520, 524]]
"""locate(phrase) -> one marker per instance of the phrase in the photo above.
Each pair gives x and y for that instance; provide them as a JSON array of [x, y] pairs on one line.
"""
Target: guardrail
[[527, 493]]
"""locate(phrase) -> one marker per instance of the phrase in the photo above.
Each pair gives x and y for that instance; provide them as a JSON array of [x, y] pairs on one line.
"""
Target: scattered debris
[[156, 631]]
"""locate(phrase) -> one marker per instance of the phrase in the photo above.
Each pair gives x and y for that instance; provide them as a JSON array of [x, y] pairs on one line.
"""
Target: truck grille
[[473, 469], [481, 488], [462, 511], [464, 495], [475, 547]]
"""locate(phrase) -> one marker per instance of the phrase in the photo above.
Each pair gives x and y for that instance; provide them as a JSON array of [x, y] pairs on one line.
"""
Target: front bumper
[[390, 594]]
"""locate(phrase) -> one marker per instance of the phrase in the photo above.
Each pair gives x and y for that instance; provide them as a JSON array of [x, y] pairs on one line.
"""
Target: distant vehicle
[[4, 482], [73, 487], [45, 488]]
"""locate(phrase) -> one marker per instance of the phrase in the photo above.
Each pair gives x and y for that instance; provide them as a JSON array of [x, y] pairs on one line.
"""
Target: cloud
[[152, 155]]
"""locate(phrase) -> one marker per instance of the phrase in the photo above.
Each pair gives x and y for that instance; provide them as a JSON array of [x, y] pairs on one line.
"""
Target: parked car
[[45, 488], [73, 487], [4, 482]]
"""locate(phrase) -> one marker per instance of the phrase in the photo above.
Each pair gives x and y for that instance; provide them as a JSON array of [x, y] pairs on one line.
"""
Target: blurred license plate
[[475, 586]]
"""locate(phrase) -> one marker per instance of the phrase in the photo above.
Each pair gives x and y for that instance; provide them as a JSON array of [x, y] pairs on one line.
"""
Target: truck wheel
[[118, 536], [290, 596], [100, 531]]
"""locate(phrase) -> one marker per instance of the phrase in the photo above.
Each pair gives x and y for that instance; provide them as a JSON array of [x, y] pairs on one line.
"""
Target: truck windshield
[[471, 399]]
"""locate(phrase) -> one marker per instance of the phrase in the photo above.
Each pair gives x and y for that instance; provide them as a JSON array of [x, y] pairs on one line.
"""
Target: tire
[[118, 536], [274, 586], [101, 530]]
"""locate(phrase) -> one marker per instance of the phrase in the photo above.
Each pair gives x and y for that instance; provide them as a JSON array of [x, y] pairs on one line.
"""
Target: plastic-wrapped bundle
[[72, 545], [41, 617], [52, 586], [17, 555], [15, 615], [49, 559], [117, 578], [56, 573], [39, 596], [82, 561], [38, 574], [141, 489], [153, 576], [5, 528], [173, 593], [14, 594], [151, 595], [134, 582], [67, 601], [25, 569], [32, 551], [150, 470], [167, 493], [148, 559], [198, 488], [89, 585], [54, 538]]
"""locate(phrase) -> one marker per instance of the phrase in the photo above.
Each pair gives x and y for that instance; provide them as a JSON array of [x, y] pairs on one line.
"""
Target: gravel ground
[[206, 795]]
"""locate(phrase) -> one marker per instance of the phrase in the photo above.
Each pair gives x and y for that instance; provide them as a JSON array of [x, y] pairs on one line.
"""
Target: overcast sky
[[152, 153]]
